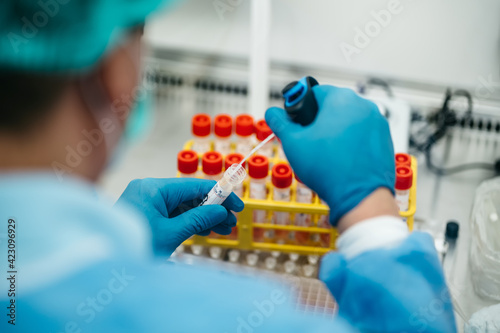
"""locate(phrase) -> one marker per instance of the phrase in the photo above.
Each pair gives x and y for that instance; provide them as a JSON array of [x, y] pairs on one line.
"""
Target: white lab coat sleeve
[[373, 233]]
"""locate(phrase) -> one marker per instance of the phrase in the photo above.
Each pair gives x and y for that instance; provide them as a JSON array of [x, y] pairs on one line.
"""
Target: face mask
[[138, 125]]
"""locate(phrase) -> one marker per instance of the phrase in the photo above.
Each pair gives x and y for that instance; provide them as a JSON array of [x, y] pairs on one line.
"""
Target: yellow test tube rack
[[245, 225]]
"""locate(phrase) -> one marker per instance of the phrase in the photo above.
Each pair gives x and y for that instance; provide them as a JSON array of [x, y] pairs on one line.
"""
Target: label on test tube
[[216, 196]]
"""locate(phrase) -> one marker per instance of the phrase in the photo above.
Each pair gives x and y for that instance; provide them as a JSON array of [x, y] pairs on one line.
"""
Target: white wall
[[449, 42]]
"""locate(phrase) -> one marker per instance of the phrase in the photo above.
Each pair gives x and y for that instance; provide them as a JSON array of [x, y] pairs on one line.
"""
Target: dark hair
[[26, 98]]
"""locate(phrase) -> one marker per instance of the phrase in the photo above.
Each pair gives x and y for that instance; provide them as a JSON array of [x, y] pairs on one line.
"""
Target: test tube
[[303, 195], [262, 131], [201, 124], [235, 158], [324, 222], [404, 182], [244, 131], [282, 180], [223, 129], [187, 164], [232, 177], [231, 159], [212, 169], [258, 170], [403, 159], [211, 164]]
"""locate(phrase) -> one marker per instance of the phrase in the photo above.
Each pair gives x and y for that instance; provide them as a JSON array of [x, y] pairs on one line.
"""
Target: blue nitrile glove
[[344, 154], [401, 289], [168, 206]]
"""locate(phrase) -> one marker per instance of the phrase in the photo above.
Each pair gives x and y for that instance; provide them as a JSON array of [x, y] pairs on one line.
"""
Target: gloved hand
[[344, 154], [401, 289], [170, 205]]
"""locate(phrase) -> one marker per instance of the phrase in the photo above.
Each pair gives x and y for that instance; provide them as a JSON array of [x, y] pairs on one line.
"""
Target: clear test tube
[[403, 159], [230, 160], [212, 169], [244, 132], [262, 131], [258, 170], [233, 176], [404, 182], [235, 158], [303, 194], [187, 164], [201, 126], [211, 164], [282, 178], [223, 129]]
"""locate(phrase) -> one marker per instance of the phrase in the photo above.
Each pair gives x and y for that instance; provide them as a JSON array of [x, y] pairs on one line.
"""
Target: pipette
[[301, 106], [260, 145]]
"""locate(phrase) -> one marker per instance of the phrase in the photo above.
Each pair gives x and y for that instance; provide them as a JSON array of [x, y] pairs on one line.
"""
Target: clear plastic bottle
[[258, 170], [187, 164], [223, 129], [219, 193], [282, 178], [303, 194], [201, 128], [404, 182], [211, 164], [244, 132], [262, 131]]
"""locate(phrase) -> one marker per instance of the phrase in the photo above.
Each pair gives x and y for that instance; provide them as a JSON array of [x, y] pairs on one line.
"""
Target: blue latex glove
[[344, 154], [392, 290], [170, 205]]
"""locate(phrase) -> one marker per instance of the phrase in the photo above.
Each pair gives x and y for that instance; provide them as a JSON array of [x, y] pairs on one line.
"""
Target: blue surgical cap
[[65, 35]]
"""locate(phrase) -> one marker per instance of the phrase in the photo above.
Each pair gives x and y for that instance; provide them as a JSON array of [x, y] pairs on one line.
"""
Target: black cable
[[444, 119], [363, 88], [455, 169]]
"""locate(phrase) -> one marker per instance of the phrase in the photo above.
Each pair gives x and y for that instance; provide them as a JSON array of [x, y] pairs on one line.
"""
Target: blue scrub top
[[84, 265]]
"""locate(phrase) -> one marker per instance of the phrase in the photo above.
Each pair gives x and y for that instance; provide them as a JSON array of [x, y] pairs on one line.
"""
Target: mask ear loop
[[105, 116]]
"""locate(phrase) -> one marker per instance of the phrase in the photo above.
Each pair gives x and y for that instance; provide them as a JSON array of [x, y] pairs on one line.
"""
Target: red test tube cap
[[262, 130], [258, 167], [282, 175], [211, 163], [404, 177], [223, 125], [403, 159], [244, 125], [233, 158], [201, 124], [187, 162]]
